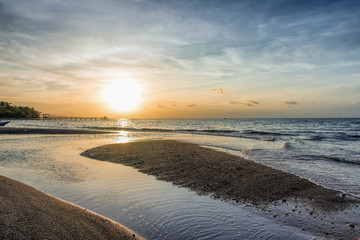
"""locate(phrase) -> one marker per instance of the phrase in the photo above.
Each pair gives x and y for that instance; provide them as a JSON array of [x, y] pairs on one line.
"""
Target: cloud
[[249, 103], [182, 45], [291, 103], [175, 105], [234, 102], [160, 106], [219, 91], [190, 105]]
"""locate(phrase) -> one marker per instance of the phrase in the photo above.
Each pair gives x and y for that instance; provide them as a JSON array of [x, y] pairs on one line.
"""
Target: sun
[[123, 95]]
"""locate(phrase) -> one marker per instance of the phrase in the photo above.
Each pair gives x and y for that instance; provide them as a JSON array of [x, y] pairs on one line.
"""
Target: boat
[[3, 123]]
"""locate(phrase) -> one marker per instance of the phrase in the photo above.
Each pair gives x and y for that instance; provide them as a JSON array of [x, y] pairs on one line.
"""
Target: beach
[[180, 120], [27, 213], [262, 199]]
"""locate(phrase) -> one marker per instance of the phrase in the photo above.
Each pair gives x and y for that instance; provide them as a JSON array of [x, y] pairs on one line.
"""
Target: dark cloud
[[190, 105], [175, 105]]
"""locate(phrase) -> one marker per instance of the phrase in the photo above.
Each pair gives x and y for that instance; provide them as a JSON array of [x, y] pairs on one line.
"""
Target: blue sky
[[192, 58]]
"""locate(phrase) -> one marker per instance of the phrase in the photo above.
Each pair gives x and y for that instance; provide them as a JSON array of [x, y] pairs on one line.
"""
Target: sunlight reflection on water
[[123, 137]]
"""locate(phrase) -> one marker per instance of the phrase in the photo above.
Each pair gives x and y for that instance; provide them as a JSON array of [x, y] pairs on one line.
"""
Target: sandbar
[[219, 174], [27, 213]]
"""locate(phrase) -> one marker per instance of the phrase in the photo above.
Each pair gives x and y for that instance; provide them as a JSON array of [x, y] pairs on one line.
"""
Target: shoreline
[[13, 130], [219, 174], [28, 213]]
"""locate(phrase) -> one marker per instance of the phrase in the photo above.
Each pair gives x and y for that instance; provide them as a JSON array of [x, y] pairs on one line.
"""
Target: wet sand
[[27, 213], [224, 176], [8, 130]]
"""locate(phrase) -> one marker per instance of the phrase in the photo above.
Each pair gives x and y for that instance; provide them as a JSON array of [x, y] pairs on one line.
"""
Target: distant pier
[[48, 117], [54, 117]]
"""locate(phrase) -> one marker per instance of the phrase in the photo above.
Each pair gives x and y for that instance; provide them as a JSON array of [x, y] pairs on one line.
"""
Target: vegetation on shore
[[8, 110]]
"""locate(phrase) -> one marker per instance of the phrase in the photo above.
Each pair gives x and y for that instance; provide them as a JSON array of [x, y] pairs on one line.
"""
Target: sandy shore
[[8, 130], [211, 172], [27, 213]]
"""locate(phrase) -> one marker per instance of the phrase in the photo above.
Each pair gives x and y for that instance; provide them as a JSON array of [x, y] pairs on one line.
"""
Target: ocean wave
[[207, 131], [317, 138], [267, 139], [354, 136], [335, 137], [265, 133], [346, 137], [343, 160], [329, 158]]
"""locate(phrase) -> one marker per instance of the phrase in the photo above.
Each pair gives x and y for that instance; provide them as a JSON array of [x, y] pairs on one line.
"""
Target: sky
[[190, 59]]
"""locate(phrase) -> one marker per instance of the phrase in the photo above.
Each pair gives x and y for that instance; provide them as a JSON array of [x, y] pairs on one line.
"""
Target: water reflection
[[123, 123], [123, 137]]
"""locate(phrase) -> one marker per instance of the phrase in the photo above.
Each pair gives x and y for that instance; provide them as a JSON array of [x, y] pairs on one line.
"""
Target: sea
[[324, 151]]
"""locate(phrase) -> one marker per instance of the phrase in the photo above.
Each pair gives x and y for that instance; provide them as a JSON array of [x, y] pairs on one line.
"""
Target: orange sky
[[190, 58]]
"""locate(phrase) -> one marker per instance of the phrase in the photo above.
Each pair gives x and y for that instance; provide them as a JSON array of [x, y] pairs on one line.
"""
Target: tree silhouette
[[8, 110]]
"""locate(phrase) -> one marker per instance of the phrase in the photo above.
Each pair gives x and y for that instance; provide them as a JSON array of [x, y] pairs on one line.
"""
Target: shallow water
[[154, 209]]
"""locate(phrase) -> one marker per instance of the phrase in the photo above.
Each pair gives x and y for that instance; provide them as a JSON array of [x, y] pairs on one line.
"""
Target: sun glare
[[123, 95]]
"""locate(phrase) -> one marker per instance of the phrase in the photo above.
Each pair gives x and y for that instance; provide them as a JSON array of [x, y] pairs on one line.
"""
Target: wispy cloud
[[190, 46], [219, 91], [290, 103], [234, 102], [191, 105], [249, 103]]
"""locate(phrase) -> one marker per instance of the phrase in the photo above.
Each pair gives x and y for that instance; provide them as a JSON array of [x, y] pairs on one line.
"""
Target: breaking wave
[[330, 158]]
